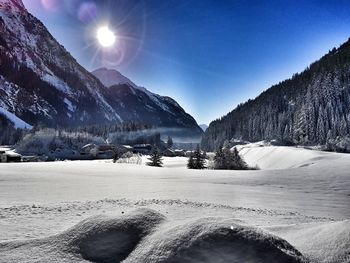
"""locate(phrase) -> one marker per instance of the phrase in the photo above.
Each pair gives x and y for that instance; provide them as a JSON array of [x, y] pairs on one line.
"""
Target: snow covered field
[[299, 195]]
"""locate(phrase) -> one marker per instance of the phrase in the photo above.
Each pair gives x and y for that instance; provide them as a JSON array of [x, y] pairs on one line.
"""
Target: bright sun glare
[[105, 36]]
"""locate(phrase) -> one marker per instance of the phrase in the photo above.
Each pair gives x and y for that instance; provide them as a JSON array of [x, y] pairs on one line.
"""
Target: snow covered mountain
[[204, 127], [110, 77], [146, 106], [311, 108], [40, 82]]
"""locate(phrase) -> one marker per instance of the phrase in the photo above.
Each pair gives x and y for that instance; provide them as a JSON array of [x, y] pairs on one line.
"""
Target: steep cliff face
[[40, 82], [312, 107]]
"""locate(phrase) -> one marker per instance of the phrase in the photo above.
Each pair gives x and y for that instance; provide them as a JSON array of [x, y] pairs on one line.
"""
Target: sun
[[106, 37]]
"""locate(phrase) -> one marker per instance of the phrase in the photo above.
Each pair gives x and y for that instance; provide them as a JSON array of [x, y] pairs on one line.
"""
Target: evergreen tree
[[170, 142], [238, 162], [219, 159], [343, 130], [320, 130], [155, 159], [197, 160], [226, 144], [225, 159], [190, 163]]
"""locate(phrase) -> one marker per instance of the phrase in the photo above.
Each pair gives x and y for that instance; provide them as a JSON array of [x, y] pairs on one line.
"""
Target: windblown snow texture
[[145, 236], [320, 242]]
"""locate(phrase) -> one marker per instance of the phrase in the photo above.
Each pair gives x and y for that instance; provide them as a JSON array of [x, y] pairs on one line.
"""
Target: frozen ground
[[200, 215]]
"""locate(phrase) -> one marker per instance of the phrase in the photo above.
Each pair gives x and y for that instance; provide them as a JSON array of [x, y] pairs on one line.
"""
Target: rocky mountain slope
[[40, 82], [146, 106], [311, 108]]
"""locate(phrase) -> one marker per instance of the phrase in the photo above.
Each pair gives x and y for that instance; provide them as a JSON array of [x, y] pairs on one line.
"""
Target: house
[[180, 153], [188, 153], [169, 153], [127, 148], [142, 148], [174, 153], [103, 151], [10, 157], [89, 149], [104, 148]]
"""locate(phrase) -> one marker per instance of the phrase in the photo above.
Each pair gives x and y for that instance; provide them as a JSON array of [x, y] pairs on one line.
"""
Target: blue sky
[[208, 55]]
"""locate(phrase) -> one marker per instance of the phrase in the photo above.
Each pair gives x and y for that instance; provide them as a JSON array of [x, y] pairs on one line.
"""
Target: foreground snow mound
[[140, 237], [321, 242], [97, 239], [214, 240]]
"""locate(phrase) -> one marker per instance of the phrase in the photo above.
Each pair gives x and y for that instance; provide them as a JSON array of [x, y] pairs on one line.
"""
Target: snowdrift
[[320, 242], [268, 157], [96, 239], [145, 236], [214, 240]]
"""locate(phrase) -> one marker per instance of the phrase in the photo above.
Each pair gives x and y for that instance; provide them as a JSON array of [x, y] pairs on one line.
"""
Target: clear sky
[[209, 55]]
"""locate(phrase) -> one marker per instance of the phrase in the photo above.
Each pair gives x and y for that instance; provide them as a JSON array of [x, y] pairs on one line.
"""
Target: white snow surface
[[18, 123], [186, 216], [143, 236], [314, 238], [269, 157]]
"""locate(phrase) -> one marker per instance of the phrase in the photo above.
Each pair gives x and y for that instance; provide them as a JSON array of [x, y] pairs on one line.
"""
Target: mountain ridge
[[40, 82], [311, 108]]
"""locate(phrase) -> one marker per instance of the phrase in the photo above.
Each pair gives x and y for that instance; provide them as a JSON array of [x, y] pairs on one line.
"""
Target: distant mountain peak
[[110, 77], [204, 127]]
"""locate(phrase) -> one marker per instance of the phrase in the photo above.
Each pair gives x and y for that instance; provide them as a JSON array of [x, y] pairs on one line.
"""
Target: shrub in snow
[[210, 162], [155, 159], [130, 158]]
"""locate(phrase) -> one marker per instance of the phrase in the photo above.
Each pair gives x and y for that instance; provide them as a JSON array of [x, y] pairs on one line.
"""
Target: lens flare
[[51, 5], [105, 36], [87, 12]]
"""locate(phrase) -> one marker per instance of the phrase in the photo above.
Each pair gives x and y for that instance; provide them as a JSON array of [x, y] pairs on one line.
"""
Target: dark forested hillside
[[311, 108], [9, 134]]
